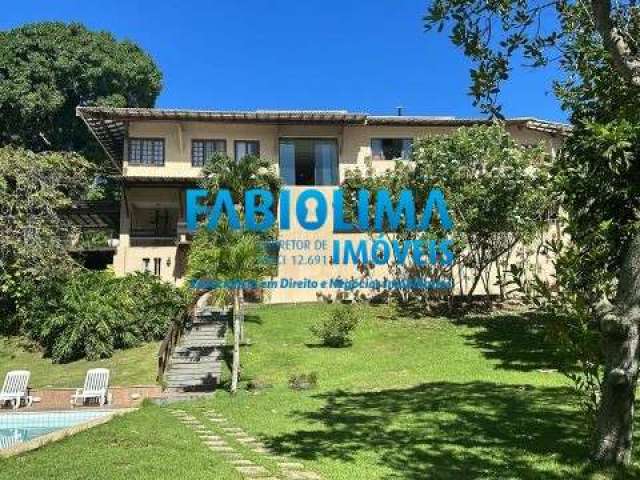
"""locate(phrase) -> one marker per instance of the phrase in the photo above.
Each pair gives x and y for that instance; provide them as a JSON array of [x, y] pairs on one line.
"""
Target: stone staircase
[[196, 361]]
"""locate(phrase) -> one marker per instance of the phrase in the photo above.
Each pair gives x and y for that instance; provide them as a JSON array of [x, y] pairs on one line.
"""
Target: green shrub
[[336, 329], [303, 381], [95, 313], [258, 384]]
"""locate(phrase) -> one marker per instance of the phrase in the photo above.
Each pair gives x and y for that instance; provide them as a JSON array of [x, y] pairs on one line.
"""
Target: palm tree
[[249, 172], [224, 254], [228, 256]]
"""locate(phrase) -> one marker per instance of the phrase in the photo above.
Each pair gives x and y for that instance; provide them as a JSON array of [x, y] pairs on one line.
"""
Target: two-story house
[[159, 154]]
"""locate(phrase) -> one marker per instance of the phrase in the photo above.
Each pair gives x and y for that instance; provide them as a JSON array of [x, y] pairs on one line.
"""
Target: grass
[[136, 366], [148, 444], [411, 399]]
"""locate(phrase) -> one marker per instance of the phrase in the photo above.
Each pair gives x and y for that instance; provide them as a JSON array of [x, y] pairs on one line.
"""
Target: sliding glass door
[[309, 161]]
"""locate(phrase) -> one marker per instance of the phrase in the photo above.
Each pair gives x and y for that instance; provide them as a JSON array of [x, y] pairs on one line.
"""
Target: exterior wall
[[354, 142], [353, 151], [56, 399], [131, 251], [178, 137], [357, 142]]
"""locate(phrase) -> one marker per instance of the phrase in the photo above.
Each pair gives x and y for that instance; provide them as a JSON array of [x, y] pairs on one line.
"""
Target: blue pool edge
[[62, 433]]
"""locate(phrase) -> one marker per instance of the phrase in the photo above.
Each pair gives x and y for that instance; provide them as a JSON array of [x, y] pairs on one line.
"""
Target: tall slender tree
[[224, 254]]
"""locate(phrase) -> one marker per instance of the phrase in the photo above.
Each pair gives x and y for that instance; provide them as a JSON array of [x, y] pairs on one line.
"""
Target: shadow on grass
[[459, 307], [516, 341], [448, 431], [251, 318]]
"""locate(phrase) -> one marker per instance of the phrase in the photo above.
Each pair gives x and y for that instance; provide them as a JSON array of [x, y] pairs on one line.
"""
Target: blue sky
[[368, 56]]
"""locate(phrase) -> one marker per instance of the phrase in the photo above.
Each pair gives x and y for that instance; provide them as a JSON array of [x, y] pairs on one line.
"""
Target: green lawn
[[137, 366], [411, 399]]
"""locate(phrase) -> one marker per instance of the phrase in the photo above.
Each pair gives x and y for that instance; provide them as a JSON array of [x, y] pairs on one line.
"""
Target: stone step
[[191, 375], [202, 373], [202, 336], [206, 327], [211, 311], [183, 350], [187, 361], [211, 325], [204, 324], [202, 333], [197, 352], [216, 320], [201, 342], [190, 384], [191, 381], [197, 361], [198, 367], [197, 343]]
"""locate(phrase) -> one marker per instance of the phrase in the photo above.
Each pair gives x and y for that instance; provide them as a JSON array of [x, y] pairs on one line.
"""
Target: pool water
[[21, 427]]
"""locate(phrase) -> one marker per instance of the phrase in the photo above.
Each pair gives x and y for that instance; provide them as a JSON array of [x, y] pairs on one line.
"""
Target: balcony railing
[[153, 232], [177, 234]]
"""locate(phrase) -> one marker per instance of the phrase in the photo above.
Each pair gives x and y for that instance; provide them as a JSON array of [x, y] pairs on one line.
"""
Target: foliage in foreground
[[598, 177], [96, 313], [596, 44], [35, 188]]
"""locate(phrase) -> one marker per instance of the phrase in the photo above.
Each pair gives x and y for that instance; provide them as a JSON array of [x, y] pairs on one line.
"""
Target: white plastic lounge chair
[[16, 388], [96, 386]]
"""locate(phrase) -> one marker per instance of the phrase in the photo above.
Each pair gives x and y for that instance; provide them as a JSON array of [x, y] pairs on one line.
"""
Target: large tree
[[35, 189], [496, 192], [596, 45], [48, 69]]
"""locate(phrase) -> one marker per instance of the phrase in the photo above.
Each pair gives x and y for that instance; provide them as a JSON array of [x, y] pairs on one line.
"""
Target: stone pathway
[[229, 441]]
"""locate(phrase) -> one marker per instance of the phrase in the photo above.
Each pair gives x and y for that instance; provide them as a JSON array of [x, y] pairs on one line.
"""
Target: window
[[391, 148], [156, 266], [146, 151], [309, 161], [246, 147], [203, 150]]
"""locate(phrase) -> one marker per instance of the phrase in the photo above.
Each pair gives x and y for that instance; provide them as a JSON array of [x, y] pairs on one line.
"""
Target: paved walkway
[[234, 446]]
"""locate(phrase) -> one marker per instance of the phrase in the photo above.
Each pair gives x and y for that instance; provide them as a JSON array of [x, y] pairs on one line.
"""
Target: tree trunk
[[460, 280], [241, 304], [476, 281], [500, 281], [620, 336], [235, 368]]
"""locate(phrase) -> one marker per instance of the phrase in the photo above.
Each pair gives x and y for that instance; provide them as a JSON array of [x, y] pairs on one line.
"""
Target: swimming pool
[[17, 428]]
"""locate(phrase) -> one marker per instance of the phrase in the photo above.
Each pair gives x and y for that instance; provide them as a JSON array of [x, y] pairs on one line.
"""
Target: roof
[[525, 122], [109, 124], [151, 181], [94, 214]]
